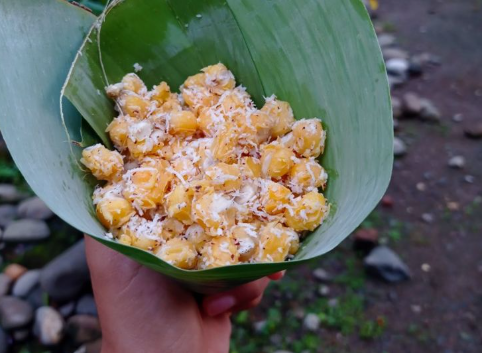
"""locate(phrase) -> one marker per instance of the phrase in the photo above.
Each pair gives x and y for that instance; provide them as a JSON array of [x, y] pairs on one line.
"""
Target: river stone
[[399, 147], [48, 326], [382, 262], [3, 341], [83, 328], [14, 313], [86, 305], [9, 193], [5, 283], [34, 208], [14, 271], [7, 214], [24, 285], [66, 275], [25, 230]]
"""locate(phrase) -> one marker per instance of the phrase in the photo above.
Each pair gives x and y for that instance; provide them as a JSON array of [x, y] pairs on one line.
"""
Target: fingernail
[[221, 305]]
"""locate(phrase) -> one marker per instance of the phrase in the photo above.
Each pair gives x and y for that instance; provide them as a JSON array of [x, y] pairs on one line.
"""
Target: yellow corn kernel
[[276, 160], [197, 236], [178, 204], [224, 176], [161, 93], [307, 174], [132, 82], [184, 168], [182, 122], [219, 78], [206, 158], [224, 144], [134, 106], [142, 188], [171, 228], [198, 80], [256, 127], [275, 242], [309, 137], [275, 198], [220, 251], [114, 212], [307, 212], [170, 149], [250, 167], [245, 237], [172, 104], [144, 234], [209, 121], [124, 239], [213, 211], [232, 104], [281, 115], [165, 177], [118, 131], [178, 252], [104, 164]]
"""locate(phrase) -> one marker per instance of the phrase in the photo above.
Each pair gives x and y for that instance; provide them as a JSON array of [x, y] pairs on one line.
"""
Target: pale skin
[[143, 311]]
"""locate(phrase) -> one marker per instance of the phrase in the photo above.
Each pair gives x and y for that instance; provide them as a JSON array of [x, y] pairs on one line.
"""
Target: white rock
[[399, 147], [49, 326], [397, 66], [311, 322], [456, 162]]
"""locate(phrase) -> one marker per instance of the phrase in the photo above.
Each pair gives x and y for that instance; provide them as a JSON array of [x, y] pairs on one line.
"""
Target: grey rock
[[458, 118], [394, 53], [429, 111], [9, 193], [456, 162], [333, 302], [67, 309], [36, 297], [86, 305], [396, 107], [473, 131], [311, 322], [415, 66], [7, 214], [3, 341], [386, 39], [469, 179], [399, 147], [397, 66], [24, 285], [48, 326], [25, 230], [412, 104], [34, 208], [5, 283], [428, 218], [259, 326], [83, 328], [382, 262], [14, 313], [321, 275], [65, 276]]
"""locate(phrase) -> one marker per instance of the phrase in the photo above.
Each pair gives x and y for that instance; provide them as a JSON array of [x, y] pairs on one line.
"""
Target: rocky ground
[[408, 280]]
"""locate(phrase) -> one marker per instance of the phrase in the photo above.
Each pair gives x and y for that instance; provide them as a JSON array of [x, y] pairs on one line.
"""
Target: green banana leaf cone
[[322, 56]]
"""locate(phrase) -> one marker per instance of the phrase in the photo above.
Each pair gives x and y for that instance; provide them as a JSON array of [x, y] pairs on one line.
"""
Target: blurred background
[[408, 280]]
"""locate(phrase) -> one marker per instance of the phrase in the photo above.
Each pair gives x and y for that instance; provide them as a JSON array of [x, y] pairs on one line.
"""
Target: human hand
[[143, 311]]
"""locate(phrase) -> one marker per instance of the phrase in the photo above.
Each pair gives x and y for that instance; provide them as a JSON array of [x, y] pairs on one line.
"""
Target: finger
[[277, 276], [246, 306], [227, 301]]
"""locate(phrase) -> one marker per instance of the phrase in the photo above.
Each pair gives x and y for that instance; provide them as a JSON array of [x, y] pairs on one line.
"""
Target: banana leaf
[[322, 56]]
